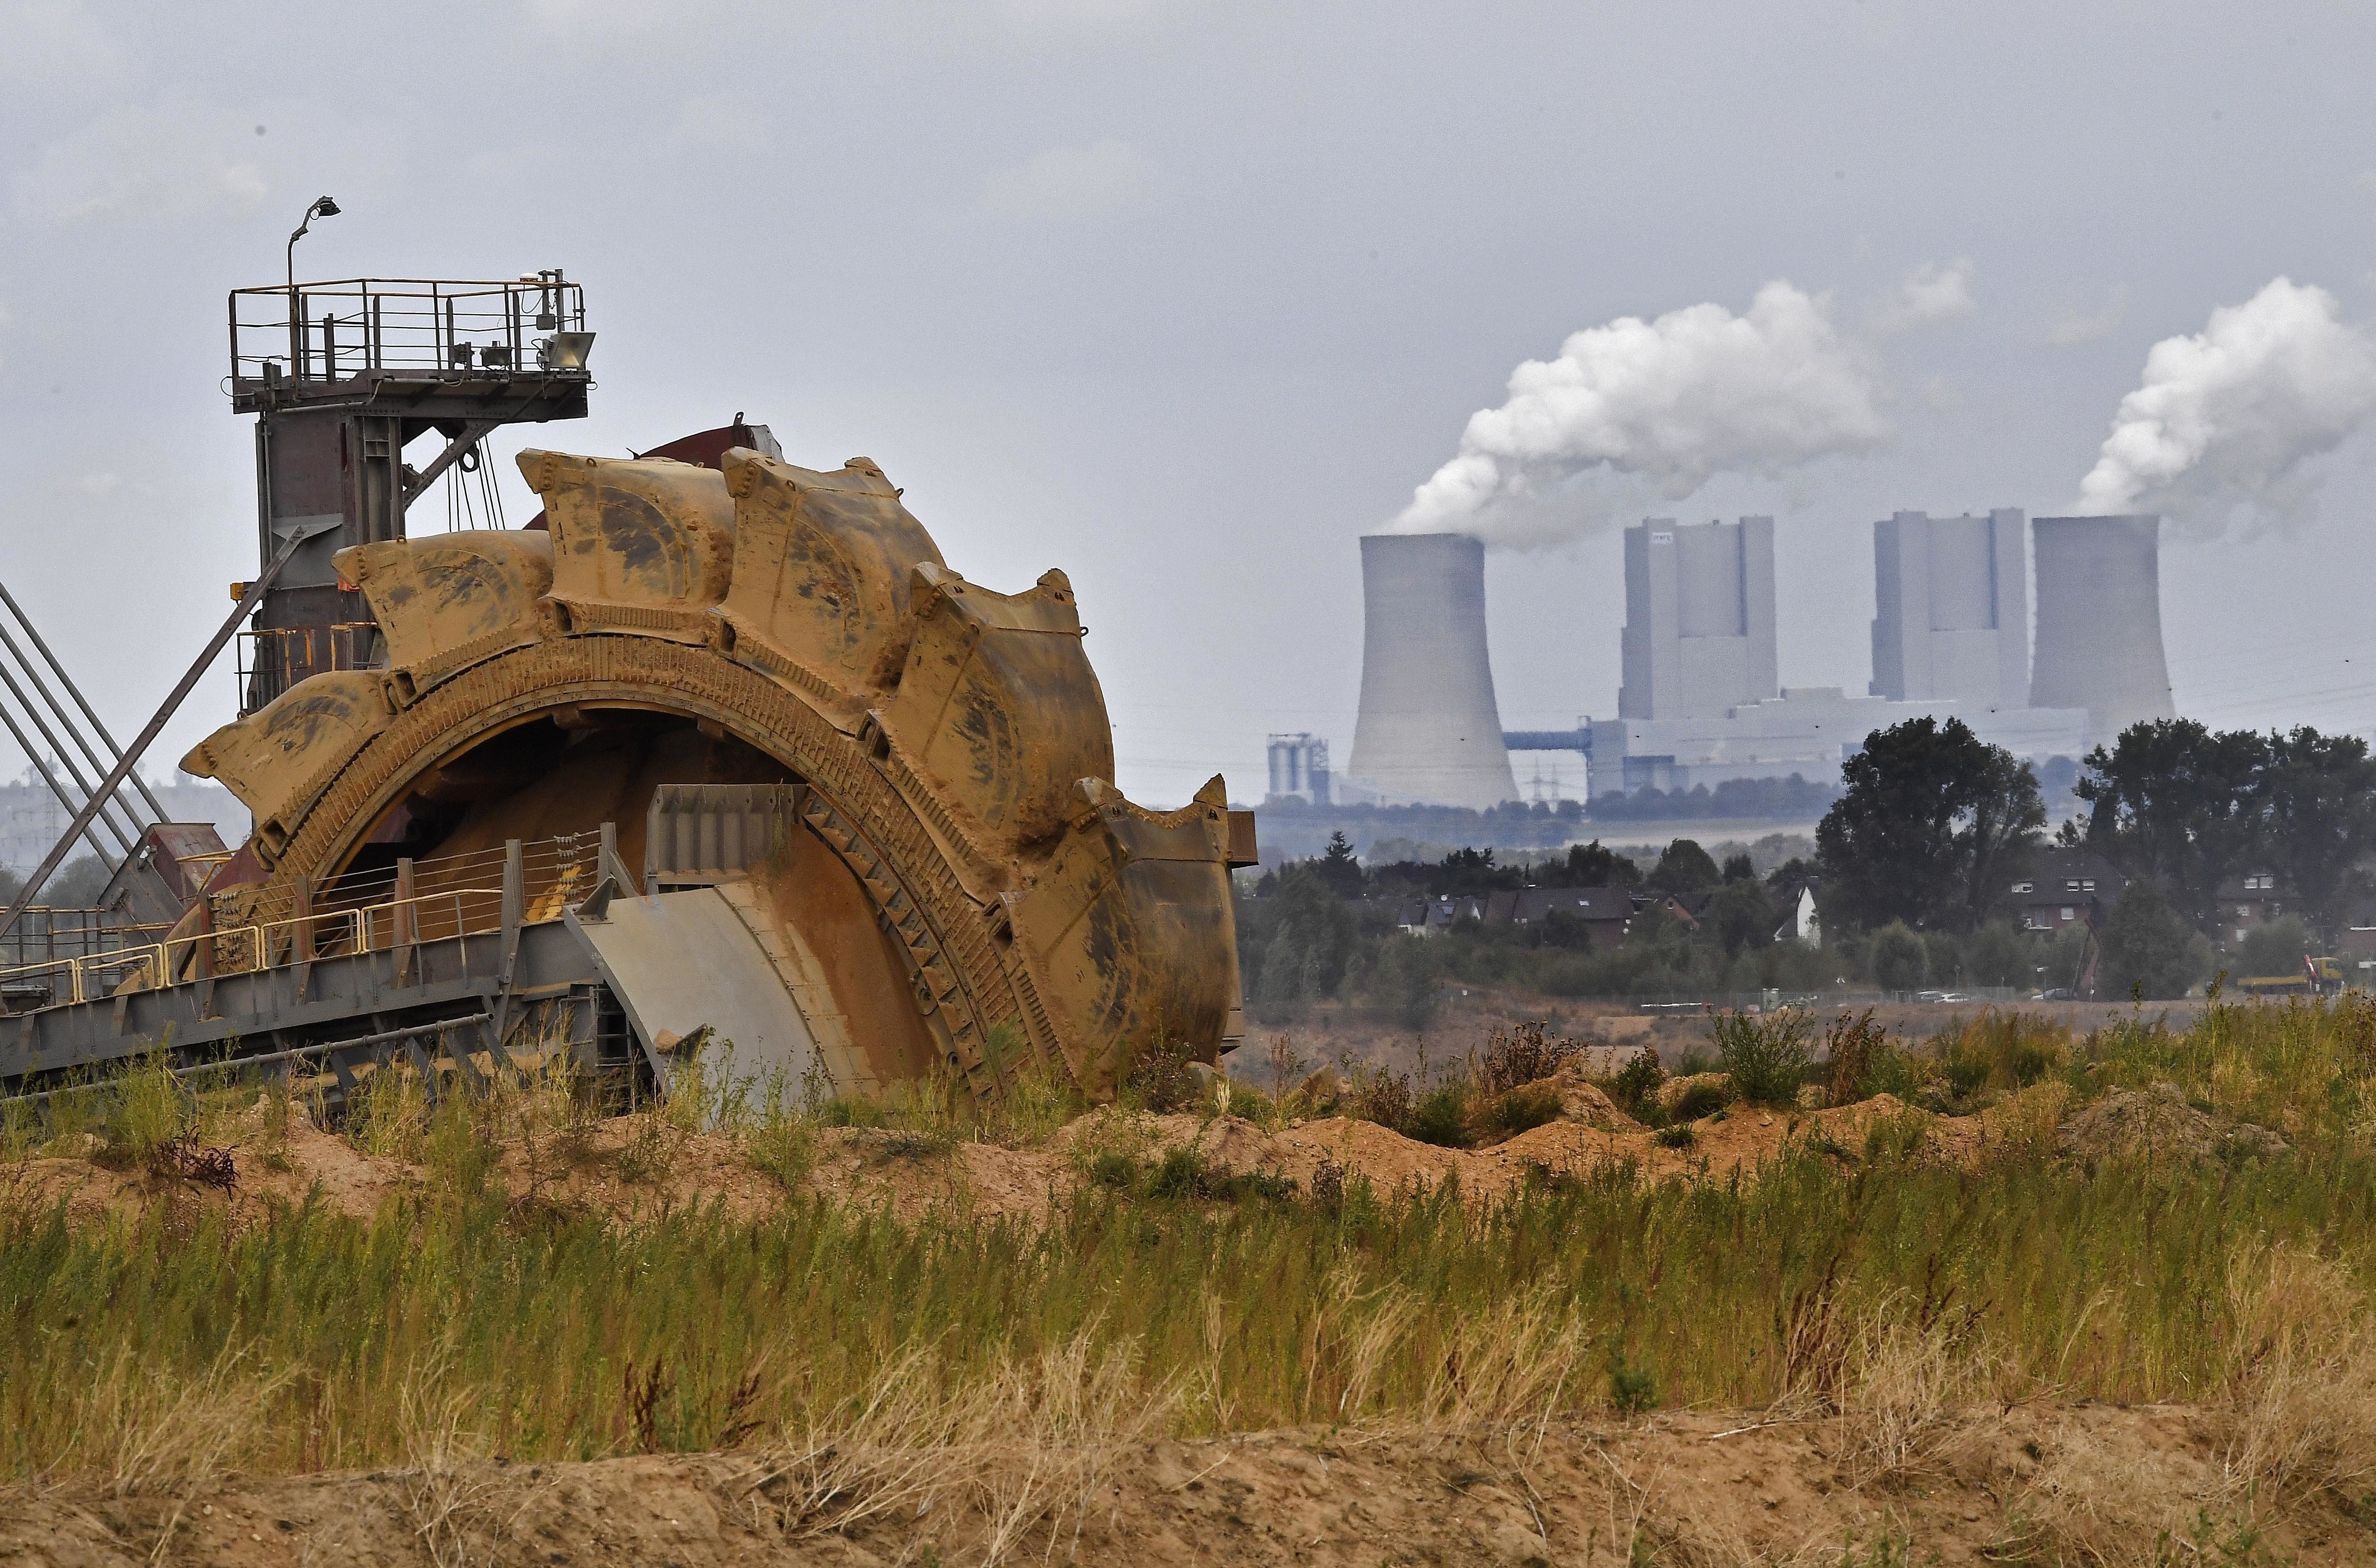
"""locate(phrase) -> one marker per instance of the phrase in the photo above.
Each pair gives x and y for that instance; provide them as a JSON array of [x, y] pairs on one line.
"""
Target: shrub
[[1441, 1117], [1159, 1077], [1632, 1389], [1250, 1103], [1382, 1095], [1899, 958], [1702, 1097], [1523, 1055], [1181, 1173], [1679, 1135], [1765, 1057], [1037, 1102], [783, 1147], [1635, 1087], [1505, 1116], [1851, 1043], [146, 1116], [2005, 1050]]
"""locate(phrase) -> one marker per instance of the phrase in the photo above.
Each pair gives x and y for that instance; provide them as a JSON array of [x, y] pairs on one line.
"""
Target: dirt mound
[[2158, 1123], [1583, 1101], [642, 1164], [2088, 1484]]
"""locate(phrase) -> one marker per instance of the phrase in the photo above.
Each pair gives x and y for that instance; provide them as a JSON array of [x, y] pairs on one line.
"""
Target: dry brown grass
[[2301, 1401], [1024, 1449]]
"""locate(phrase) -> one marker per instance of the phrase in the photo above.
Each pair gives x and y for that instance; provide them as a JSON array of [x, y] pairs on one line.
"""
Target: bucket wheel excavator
[[960, 880], [717, 745]]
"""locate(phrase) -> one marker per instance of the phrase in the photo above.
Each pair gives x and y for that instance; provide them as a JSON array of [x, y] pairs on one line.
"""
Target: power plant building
[[1299, 769], [1950, 619], [1699, 618], [1430, 731], [2099, 621], [1700, 705]]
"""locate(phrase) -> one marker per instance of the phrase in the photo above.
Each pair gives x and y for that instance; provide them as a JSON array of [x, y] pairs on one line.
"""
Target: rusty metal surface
[[821, 572], [279, 759], [998, 705], [444, 603], [1127, 923], [645, 545]]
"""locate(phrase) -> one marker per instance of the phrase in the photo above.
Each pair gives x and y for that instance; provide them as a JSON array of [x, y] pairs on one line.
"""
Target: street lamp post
[[323, 208]]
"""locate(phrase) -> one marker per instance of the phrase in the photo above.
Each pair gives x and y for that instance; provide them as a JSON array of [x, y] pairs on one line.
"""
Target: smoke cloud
[[2227, 420], [1664, 405], [1932, 292]]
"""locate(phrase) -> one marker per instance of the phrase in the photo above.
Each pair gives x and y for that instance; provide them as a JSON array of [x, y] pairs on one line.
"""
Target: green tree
[[1738, 868], [1741, 915], [1930, 821], [1900, 959], [1684, 868], [2174, 801], [2274, 947], [1590, 865], [2149, 951], [1651, 926], [1402, 988], [1943, 957], [1339, 868], [1466, 872], [2315, 800], [1999, 953], [1296, 941]]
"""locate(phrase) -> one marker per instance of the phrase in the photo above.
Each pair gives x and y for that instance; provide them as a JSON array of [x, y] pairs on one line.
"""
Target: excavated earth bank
[[2087, 1484]]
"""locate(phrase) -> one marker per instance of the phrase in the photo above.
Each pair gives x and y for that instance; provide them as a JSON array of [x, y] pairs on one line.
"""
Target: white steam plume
[[1932, 292], [2226, 419], [1667, 404]]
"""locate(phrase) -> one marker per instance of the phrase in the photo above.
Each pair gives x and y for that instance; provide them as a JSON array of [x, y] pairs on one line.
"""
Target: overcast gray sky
[[1185, 298]]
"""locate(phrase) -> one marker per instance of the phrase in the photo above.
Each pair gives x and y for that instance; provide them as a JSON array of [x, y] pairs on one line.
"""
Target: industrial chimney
[[1429, 731], [2099, 621]]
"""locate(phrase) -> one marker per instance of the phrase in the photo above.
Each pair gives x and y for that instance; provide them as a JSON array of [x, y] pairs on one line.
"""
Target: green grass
[[322, 1338]]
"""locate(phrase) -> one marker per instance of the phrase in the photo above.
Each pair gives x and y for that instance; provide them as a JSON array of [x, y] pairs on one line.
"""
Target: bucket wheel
[[975, 890]]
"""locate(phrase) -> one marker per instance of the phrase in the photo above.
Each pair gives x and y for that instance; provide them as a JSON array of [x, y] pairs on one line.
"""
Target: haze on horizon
[[1185, 298]]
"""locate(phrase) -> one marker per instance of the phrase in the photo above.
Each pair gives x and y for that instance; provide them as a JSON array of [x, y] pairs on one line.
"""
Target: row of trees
[[2190, 809], [1772, 798], [1934, 824], [1917, 857]]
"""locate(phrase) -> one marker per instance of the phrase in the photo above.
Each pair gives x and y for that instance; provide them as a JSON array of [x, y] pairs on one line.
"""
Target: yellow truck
[[2319, 977]]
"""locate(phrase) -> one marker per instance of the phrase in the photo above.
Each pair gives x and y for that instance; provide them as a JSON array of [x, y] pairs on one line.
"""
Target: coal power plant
[[2099, 621], [1701, 703], [1429, 731], [1950, 610], [1699, 618]]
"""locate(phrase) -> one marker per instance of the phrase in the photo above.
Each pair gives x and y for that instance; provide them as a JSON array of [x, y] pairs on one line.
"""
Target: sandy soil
[[1469, 1016], [2088, 1483], [640, 1164]]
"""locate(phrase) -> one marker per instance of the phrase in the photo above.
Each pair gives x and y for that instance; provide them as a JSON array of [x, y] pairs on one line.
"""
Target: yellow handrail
[[361, 936]]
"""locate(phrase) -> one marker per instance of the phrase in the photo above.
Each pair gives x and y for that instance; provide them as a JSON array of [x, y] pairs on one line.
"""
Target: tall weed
[[1764, 1055]]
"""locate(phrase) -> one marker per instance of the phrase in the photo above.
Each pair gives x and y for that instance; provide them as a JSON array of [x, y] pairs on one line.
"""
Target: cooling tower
[[2099, 621], [1429, 731]]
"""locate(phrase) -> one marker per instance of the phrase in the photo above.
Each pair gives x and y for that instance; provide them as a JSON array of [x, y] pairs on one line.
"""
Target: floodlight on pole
[[323, 208]]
